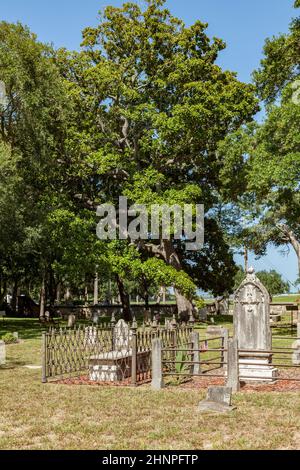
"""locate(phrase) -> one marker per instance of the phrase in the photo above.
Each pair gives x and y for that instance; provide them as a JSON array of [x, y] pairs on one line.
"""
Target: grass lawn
[[37, 416], [286, 298]]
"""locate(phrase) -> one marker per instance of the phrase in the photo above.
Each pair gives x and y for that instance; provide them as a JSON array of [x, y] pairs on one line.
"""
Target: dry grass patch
[[37, 416]]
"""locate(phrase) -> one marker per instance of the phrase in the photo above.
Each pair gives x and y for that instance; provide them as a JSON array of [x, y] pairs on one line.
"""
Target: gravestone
[[252, 330], [95, 317], [215, 331], [296, 348], [202, 313], [71, 321], [218, 400], [2, 353], [115, 365], [147, 317], [122, 336]]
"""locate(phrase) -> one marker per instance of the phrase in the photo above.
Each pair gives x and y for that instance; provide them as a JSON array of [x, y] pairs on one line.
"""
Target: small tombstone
[[215, 331], [252, 330], [122, 336], [147, 317], [218, 400], [16, 335], [202, 312], [95, 318], [71, 321], [2, 353], [47, 316]]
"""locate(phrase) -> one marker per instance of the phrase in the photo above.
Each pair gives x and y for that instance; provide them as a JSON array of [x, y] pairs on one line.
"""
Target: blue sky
[[243, 24]]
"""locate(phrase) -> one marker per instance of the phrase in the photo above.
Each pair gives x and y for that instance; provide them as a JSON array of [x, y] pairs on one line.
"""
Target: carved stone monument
[[252, 330]]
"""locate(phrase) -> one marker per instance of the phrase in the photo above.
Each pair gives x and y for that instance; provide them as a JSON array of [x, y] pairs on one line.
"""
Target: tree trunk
[[86, 294], [124, 300], [58, 292], [51, 288], [293, 241], [184, 305], [14, 296], [43, 298]]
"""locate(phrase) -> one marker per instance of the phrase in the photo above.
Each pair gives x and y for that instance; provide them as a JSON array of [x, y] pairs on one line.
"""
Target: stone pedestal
[[257, 369], [113, 366]]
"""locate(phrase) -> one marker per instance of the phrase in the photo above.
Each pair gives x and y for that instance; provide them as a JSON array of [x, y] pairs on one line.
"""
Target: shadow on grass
[[27, 328], [13, 365], [219, 319]]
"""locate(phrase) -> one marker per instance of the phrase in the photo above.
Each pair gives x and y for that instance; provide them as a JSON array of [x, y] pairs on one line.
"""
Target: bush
[[9, 338]]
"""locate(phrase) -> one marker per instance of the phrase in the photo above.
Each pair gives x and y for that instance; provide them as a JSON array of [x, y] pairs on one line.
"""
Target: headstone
[[147, 317], [215, 331], [202, 312], [296, 348], [122, 336], [2, 353], [47, 315], [218, 400], [71, 321], [252, 330], [16, 335], [95, 318]]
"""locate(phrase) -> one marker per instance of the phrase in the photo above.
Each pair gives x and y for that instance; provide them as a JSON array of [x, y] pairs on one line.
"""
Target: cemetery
[[142, 195]]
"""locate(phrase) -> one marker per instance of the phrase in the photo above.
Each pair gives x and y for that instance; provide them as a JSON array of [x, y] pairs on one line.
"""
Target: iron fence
[[107, 353], [196, 358], [209, 359]]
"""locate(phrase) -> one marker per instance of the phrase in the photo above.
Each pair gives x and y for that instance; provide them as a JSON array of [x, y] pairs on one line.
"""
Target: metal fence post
[[233, 366], [225, 337], [44, 357], [134, 353], [196, 370], [112, 326], [157, 376]]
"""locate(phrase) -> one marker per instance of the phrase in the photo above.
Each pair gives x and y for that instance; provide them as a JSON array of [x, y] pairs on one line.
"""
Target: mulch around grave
[[202, 383], [84, 380]]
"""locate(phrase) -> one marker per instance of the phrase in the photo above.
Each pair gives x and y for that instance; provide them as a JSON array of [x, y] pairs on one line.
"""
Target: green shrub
[[9, 338]]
